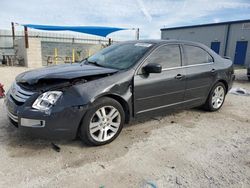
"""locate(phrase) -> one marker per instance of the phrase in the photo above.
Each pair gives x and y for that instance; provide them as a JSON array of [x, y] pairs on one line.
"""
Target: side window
[[168, 56], [196, 55]]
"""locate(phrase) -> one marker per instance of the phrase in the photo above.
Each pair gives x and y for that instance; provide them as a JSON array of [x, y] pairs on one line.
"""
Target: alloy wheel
[[105, 123], [218, 97]]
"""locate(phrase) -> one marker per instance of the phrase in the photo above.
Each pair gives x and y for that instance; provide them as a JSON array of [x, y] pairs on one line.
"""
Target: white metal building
[[230, 39]]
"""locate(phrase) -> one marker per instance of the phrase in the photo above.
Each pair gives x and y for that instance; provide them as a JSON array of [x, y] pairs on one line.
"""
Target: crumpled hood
[[65, 71]]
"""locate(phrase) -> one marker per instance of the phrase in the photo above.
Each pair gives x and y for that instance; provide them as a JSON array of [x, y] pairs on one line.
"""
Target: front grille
[[18, 94]]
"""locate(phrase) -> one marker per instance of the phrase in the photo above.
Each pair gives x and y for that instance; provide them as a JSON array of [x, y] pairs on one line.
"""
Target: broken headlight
[[46, 100]]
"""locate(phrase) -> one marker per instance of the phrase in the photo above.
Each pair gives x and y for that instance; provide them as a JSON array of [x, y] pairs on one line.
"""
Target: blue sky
[[148, 15]]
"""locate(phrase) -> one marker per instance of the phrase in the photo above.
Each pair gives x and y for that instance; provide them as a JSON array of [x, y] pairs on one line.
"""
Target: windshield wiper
[[94, 63], [83, 61]]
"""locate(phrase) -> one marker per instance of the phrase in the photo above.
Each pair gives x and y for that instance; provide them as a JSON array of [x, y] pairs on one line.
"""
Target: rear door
[[160, 91], [200, 74]]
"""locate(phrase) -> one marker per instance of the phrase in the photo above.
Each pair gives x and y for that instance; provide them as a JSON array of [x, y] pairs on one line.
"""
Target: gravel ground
[[190, 148]]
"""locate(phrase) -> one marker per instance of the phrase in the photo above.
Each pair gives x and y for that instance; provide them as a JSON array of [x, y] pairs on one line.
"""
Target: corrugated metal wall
[[214, 33]]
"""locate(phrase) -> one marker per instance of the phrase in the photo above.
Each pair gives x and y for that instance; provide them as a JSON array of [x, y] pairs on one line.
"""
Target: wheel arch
[[206, 105], [217, 81], [123, 103], [119, 99], [224, 82]]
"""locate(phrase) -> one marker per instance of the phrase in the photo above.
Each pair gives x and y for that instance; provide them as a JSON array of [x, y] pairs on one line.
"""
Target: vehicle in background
[[248, 72]]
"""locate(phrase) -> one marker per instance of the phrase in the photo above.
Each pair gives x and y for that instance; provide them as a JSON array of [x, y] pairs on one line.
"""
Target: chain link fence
[[55, 48]]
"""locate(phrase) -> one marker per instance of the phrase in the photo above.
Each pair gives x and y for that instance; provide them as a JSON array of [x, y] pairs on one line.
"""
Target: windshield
[[120, 56]]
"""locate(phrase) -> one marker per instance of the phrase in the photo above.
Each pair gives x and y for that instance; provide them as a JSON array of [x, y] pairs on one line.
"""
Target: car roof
[[159, 41]]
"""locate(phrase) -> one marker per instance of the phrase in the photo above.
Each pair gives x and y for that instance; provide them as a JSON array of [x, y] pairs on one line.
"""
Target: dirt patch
[[190, 148]]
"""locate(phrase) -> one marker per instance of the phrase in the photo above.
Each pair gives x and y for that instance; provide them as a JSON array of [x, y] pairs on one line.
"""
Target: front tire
[[216, 97], [103, 122]]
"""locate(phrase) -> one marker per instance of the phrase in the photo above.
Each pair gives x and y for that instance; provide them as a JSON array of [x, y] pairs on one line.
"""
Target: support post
[[56, 55], [13, 33], [110, 41], [26, 37], [137, 34], [73, 55]]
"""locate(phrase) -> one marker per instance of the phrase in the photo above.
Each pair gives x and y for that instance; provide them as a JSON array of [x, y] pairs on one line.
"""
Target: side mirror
[[152, 68]]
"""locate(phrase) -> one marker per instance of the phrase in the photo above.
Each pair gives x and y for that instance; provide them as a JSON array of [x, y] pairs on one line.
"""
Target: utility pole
[[137, 34], [13, 33]]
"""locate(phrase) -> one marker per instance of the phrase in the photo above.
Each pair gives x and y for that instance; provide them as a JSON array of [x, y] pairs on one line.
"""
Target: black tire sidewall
[[210, 105], [84, 129]]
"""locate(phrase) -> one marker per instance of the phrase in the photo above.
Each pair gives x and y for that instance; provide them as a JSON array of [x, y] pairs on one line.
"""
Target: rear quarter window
[[195, 55]]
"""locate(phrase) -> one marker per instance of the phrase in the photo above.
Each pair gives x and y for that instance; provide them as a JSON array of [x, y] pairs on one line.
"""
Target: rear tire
[[102, 123], [216, 97]]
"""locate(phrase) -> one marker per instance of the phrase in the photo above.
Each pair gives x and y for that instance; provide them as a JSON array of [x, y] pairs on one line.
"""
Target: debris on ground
[[240, 91], [177, 181], [210, 179], [129, 130], [172, 167], [55, 147], [157, 118], [101, 165], [151, 184]]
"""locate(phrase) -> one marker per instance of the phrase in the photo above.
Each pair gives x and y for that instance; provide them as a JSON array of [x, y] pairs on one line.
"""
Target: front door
[[159, 91], [240, 53]]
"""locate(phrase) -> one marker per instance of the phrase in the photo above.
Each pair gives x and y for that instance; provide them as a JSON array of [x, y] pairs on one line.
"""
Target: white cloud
[[216, 20], [148, 15], [144, 10]]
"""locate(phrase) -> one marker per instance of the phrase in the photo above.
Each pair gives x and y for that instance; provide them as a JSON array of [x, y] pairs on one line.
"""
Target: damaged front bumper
[[59, 123]]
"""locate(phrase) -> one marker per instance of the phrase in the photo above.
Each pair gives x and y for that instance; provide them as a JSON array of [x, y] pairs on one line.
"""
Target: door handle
[[178, 76], [212, 71]]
